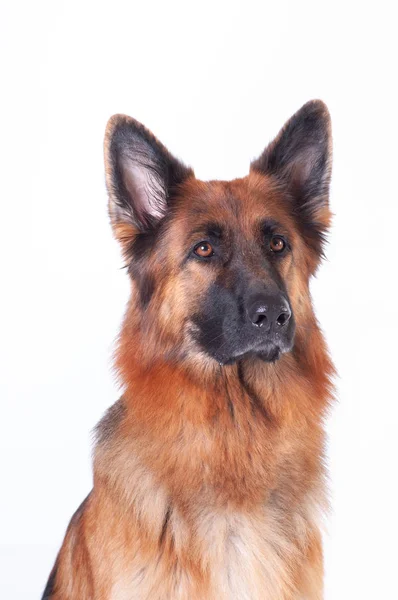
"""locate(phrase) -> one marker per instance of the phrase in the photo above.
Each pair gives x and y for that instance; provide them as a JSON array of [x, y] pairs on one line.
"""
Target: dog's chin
[[270, 354]]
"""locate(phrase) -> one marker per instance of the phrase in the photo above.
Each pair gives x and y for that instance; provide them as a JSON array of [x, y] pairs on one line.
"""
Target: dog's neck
[[227, 437]]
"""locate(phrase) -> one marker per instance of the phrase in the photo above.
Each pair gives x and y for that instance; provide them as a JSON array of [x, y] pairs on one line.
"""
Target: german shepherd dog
[[209, 470]]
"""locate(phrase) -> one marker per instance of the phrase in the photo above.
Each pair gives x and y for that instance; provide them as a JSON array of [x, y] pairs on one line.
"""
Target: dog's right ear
[[141, 177]]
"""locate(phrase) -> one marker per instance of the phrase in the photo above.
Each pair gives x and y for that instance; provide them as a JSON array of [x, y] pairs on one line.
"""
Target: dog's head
[[220, 270]]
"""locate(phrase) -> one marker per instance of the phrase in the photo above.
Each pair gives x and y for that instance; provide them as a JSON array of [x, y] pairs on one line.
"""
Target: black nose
[[270, 311]]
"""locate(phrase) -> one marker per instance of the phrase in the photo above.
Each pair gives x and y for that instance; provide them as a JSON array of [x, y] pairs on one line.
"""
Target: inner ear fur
[[141, 177]]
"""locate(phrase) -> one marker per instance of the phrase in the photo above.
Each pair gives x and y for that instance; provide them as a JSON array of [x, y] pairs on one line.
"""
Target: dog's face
[[221, 269]]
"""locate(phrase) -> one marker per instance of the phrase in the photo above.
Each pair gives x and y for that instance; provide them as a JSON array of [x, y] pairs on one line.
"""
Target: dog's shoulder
[[110, 422]]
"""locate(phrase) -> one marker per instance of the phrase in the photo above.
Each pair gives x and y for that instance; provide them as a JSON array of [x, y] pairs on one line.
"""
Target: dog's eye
[[204, 250], [277, 243]]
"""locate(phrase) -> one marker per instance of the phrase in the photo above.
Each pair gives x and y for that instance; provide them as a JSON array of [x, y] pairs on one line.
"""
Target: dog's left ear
[[141, 177], [300, 158]]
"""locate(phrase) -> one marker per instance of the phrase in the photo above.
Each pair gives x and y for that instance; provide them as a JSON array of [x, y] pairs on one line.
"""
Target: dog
[[209, 476]]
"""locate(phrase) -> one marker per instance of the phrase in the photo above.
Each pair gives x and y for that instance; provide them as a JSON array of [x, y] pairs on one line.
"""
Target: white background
[[214, 82]]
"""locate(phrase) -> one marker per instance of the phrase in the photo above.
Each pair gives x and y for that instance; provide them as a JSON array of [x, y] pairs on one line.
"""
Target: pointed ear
[[141, 176], [300, 158]]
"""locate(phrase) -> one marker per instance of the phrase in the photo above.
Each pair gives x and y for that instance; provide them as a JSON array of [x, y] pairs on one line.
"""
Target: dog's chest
[[245, 557], [249, 556]]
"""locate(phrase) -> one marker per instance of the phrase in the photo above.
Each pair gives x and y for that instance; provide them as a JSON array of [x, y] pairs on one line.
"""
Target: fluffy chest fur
[[242, 556], [196, 500], [222, 506]]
